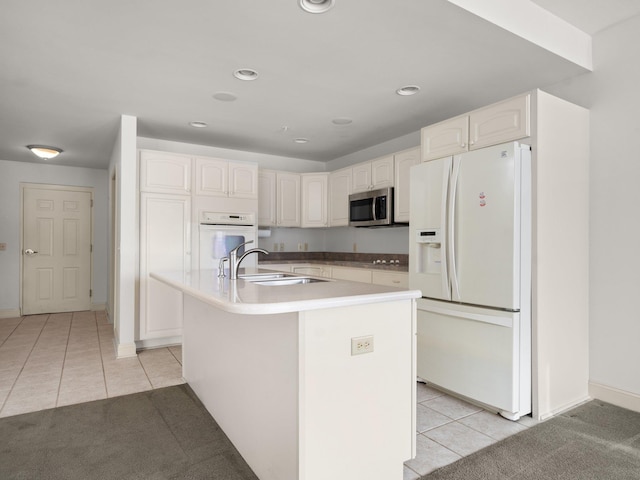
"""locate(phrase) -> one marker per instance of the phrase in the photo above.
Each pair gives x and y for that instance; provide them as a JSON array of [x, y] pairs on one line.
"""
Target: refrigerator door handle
[[446, 185], [451, 230]]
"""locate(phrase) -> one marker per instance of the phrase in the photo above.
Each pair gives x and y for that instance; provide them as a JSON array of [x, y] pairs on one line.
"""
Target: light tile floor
[[66, 358], [61, 359]]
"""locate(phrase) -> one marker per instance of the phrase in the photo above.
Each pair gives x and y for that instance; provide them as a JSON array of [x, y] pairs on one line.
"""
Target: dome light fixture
[[342, 121], [301, 140], [246, 74], [225, 96], [408, 90], [316, 6], [44, 151], [197, 124]]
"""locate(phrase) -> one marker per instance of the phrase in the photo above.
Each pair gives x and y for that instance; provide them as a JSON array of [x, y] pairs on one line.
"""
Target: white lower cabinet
[[351, 274], [165, 245], [391, 279]]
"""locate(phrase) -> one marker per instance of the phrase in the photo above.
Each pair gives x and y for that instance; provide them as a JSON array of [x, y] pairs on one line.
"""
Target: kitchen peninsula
[[308, 380]]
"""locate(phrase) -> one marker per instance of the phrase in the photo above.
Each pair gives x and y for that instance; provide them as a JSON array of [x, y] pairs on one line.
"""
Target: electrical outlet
[[360, 345], [275, 247], [282, 246], [300, 247], [306, 246], [355, 247], [3, 246]]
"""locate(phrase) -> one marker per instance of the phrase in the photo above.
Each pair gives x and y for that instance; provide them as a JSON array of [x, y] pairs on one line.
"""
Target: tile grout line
[[145, 372], [64, 360], [4, 404], [13, 330], [104, 372]]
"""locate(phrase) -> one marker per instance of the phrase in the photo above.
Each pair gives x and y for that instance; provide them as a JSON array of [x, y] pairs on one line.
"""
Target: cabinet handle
[[463, 144], [471, 142]]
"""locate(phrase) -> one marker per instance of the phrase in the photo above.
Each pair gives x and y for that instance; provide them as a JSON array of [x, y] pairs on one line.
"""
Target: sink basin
[[255, 277], [277, 282]]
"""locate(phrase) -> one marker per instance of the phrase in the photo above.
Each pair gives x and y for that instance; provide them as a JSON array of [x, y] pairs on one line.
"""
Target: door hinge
[[90, 293], [92, 203], [91, 248]]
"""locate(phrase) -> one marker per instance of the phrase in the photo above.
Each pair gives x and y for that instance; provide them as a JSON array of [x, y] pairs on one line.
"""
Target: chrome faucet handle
[[221, 266]]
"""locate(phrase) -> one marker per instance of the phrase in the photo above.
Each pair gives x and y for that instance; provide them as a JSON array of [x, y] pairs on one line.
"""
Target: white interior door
[[56, 249]]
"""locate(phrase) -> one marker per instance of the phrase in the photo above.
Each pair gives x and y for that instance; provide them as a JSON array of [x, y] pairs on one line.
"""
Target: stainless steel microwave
[[372, 208]]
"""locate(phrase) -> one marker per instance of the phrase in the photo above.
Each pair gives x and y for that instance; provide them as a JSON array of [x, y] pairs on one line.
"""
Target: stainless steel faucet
[[234, 261]]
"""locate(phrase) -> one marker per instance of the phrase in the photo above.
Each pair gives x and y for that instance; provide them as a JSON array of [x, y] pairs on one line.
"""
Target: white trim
[[9, 313], [125, 350], [615, 396], [98, 307], [561, 409], [159, 342]]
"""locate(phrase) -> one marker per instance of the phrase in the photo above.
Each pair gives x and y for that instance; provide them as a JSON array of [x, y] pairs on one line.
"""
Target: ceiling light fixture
[[408, 90], [197, 124], [45, 152], [342, 121], [301, 140], [316, 6], [225, 96], [245, 74]]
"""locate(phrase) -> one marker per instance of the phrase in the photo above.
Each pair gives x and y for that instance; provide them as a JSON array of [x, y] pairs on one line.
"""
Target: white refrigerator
[[470, 255]]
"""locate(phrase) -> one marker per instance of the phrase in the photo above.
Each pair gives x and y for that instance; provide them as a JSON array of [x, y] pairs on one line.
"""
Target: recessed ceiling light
[[245, 74], [198, 124], [44, 151], [316, 6], [342, 121], [225, 96], [301, 140], [408, 90]]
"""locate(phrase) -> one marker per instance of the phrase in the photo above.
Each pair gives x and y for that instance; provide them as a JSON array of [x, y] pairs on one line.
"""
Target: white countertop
[[245, 297]]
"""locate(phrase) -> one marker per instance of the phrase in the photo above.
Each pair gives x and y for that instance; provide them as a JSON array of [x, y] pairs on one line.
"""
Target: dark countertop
[[342, 259]]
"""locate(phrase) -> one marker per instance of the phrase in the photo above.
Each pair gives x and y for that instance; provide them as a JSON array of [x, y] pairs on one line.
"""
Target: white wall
[[11, 175], [612, 94], [272, 162]]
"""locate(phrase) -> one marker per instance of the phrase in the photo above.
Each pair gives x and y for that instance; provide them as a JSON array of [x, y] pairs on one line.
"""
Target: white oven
[[221, 232]]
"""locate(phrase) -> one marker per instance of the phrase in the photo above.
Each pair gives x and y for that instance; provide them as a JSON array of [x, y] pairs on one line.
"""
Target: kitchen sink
[[255, 277], [277, 282]]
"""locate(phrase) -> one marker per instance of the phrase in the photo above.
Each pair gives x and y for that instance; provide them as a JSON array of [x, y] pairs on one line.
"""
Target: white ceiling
[[69, 69]]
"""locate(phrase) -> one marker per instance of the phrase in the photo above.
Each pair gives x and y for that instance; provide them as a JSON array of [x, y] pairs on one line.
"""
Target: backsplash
[[382, 258], [390, 240]]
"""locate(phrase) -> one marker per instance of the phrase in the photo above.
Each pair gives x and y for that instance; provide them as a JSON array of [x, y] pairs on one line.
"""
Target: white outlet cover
[[360, 345]]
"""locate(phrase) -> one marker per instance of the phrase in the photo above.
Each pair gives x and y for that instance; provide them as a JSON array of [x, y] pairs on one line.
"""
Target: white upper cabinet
[[267, 198], [165, 173], [445, 138], [339, 190], [372, 175], [498, 123], [403, 162], [288, 199], [314, 200], [221, 178]]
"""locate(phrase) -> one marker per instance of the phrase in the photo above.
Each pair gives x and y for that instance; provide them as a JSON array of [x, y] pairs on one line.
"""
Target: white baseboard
[[124, 350], [615, 396], [159, 342], [96, 307], [10, 313]]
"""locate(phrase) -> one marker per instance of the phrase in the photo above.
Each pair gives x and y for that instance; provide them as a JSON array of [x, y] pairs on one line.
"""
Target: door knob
[[30, 252]]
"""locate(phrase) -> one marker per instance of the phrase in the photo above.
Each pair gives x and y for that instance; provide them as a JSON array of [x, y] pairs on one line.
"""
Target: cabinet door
[[243, 180], [164, 246], [288, 199], [339, 190], [401, 196], [500, 122], [445, 138], [361, 177], [165, 173], [266, 198], [314, 200], [390, 279], [382, 172], [212, 177], [314, 270], [352, 274]]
